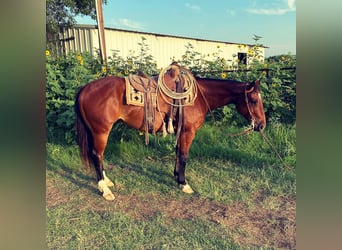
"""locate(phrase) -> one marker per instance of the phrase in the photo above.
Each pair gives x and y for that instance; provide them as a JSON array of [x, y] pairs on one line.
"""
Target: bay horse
[[101, 103]]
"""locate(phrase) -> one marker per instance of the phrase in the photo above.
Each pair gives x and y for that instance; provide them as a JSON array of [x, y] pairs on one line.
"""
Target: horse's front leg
[[182, 153], [176, 169]]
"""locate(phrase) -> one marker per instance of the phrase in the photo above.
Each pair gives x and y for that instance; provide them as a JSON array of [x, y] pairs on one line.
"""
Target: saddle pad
[[136, 97]]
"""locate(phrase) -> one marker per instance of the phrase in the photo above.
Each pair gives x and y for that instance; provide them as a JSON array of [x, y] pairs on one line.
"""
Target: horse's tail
[[84, 136]]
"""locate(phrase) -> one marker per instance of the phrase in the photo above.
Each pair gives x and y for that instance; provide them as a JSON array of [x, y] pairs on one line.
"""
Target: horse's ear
[[250, 87], [175, 63]]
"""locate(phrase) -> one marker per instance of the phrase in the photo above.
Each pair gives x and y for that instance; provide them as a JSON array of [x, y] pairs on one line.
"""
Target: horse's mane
[[219, 80]]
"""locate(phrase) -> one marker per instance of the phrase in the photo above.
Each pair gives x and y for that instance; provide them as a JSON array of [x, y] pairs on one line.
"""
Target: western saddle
[[142, 91]]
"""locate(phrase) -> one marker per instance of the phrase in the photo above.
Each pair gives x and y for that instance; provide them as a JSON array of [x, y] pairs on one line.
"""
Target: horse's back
[[108, 84], [100, 100]]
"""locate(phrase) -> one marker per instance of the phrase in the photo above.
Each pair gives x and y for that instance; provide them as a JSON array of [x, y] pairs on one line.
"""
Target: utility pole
[[100, 27]]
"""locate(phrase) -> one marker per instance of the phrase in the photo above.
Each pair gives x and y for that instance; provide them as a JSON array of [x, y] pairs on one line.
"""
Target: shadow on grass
[[73, 172], [79, 179], [250, 160], [63, 161], [149, 174]]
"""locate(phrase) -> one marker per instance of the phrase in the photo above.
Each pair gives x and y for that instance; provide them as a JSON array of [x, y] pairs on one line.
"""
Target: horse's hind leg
[[100, 142], [182, 152], [107, 180]]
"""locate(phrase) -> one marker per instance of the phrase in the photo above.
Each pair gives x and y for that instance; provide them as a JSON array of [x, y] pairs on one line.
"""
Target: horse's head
[[175, 74], [251, 106]]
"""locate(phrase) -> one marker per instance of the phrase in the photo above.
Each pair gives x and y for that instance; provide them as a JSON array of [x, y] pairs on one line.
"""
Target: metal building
[[163, 48]]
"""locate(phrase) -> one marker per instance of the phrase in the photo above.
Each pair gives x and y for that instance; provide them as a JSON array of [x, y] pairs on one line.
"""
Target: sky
[[234, 21]]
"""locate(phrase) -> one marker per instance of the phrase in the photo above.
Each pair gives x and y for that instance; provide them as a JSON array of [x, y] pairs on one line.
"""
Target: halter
[[252, 124], [248, 108]]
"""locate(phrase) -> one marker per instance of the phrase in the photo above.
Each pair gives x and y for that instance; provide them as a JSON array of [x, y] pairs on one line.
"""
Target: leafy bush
[[277, 74], [66, 74]]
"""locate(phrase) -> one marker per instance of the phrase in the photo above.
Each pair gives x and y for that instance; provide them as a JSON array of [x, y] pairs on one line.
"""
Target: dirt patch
[[54, 196], [257, 226], [247, 225]]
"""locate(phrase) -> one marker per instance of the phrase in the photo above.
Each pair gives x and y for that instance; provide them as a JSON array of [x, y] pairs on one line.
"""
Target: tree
[[61, 13]]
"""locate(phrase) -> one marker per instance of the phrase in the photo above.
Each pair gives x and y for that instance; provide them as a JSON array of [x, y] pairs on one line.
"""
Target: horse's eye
[[253, 101]]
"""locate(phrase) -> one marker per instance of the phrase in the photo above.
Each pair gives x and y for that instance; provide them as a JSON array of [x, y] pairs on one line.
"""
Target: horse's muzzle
[[259, 127]]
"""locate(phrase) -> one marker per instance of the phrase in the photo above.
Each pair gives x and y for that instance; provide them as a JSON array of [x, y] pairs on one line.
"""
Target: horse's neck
[[220, 93]]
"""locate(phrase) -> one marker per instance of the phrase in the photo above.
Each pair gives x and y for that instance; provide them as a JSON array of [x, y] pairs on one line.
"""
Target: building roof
[[161, 35]]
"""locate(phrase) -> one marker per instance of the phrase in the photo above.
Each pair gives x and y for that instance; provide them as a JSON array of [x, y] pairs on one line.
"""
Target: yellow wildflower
[[126, 72], [79, 57], [47, 52], [104, 69], [250, 52], [223, 75]]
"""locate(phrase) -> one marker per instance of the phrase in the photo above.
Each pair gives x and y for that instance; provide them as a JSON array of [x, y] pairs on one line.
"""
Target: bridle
[[251, 113], [252, 124]]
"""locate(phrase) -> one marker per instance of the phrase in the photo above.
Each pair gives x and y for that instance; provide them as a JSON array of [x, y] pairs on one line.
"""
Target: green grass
[[93, 230], [230, 175]]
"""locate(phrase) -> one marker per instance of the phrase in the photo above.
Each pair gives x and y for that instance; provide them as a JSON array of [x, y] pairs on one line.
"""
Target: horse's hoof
[[109, 196], [186, 188], [109, 183]]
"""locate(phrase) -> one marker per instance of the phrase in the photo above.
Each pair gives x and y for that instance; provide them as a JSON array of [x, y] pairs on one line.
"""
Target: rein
[[274, 149], [245, 132], [251, 128]]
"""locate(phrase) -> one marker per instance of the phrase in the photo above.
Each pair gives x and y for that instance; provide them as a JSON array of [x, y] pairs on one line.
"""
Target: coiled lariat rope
[[191, 88], [178, 98]]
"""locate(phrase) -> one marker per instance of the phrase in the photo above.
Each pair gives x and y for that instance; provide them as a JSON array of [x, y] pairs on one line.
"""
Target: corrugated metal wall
[[78, 39], [163, 48]]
